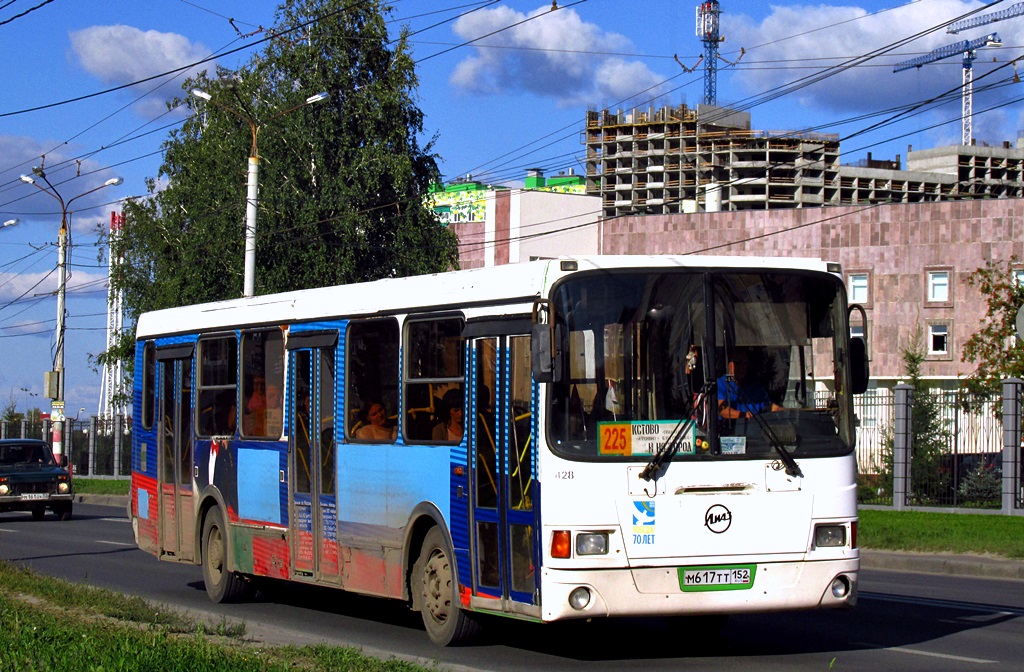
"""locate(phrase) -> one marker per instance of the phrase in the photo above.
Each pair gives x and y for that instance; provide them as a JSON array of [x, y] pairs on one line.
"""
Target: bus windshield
[[727, 364]]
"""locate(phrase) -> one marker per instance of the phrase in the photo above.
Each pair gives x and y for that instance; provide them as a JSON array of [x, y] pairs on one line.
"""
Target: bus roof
[[509, 284]]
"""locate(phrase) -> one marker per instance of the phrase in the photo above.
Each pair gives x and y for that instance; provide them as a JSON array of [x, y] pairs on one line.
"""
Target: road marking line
[[113, 543], [930, 654], [115, 520], [5, 530], [946, 604]]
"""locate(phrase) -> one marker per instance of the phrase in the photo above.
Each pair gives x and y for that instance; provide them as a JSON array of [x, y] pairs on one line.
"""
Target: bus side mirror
[[545, 361], [859, 364]]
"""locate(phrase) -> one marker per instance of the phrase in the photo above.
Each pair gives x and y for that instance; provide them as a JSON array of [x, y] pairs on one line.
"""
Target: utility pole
[[53, 381], [252, 180]]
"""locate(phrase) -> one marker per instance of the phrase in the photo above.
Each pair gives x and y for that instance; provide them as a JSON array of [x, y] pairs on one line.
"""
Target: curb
[[120, 501], [985, 566], [898, 561]]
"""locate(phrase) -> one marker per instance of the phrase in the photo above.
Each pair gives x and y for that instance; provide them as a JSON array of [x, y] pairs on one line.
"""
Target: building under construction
[[680, 160], [677, 159]]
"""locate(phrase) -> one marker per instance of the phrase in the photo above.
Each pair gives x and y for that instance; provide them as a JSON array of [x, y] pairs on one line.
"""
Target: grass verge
[[49, 624], [941, 532], [101, 486]]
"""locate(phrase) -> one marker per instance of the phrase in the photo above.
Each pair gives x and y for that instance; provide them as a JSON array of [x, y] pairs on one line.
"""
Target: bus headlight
[[63, 487], [829, 536], [592, 543], [4, 490]]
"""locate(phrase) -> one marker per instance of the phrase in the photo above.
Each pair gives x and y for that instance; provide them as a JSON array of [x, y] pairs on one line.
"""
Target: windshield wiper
[[671, 447], [792, 468]]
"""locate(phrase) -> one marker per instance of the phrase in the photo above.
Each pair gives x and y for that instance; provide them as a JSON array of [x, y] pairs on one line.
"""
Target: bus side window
[[372, 375], [218, 370], [263, 383], [148, 385], [434, 364]]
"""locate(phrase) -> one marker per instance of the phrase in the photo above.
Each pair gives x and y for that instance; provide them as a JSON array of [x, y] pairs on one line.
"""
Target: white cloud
[[28, 286], [790, 44], [542, 57], [124, 54]]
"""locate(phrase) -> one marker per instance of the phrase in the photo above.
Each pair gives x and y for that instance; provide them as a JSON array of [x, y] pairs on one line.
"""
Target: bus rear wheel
[[222, 585], [434, 580]]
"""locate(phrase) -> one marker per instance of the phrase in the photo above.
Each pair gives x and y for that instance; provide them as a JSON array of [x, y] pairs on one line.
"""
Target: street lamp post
[[57, 392], [252, 179]]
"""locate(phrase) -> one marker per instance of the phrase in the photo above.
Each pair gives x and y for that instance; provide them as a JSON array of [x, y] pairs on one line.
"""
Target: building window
[[940, 345], [858, 287], [938, 286], [857, 331], [1018, 277]]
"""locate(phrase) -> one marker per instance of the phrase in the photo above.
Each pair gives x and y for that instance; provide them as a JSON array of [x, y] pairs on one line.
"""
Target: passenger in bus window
[[451, 413], [255, 409], [275, 410], [375, 427], [740, 396]]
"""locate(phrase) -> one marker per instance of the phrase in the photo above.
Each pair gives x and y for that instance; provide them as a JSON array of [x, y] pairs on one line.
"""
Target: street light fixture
[[9, 222], [54, 381], [252, 183]]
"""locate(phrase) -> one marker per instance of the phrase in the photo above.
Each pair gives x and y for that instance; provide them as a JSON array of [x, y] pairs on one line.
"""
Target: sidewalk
[[928, 563]]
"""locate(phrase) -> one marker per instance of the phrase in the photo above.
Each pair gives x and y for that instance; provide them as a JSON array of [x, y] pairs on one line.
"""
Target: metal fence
[[97, 447], [964, 454]]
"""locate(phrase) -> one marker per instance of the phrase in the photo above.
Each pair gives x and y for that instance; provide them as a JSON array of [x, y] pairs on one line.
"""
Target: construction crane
[[966, 24], [707, 31], [969, 49]]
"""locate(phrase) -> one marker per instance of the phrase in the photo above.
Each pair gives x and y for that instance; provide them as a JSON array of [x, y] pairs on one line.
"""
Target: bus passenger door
[[312, 463], [174, 443], [505, 531]]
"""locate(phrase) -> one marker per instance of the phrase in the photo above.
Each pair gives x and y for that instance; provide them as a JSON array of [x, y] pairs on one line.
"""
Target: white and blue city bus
[[639, 436]]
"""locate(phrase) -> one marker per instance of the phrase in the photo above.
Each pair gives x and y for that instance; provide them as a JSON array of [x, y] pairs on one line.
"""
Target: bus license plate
[[36, 495], [731, 577]]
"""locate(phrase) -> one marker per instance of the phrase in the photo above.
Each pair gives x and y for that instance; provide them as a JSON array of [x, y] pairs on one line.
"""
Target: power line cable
[[26, 12]]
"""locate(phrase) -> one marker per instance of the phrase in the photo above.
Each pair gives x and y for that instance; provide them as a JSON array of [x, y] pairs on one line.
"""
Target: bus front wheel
[[434, 579], [222, 585]]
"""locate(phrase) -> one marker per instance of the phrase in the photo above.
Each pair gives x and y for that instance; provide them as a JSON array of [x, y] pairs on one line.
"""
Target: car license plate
[[719, 577], [36, 495]]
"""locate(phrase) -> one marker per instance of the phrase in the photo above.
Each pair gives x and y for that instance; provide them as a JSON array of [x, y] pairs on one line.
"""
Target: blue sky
[[511, 101]]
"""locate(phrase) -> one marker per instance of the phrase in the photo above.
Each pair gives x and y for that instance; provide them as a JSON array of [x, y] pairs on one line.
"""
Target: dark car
[[31, 480]]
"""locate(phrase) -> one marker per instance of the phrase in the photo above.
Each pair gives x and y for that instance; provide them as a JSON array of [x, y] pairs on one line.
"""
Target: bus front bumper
[[656, 591]]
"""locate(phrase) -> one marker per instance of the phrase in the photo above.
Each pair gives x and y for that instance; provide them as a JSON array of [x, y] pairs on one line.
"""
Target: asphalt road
[[904, 620]]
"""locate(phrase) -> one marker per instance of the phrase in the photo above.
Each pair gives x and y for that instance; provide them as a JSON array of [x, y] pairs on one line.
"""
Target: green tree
[[342, 182], [9, 410], [929, 481], [994, 348]]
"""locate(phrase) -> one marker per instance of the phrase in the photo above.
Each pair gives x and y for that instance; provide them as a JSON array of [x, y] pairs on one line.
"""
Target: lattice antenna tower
[[707, 31], [113, 372]]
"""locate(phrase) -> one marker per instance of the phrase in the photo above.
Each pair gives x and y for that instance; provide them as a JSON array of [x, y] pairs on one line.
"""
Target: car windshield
[[642, 359], [25, 453]]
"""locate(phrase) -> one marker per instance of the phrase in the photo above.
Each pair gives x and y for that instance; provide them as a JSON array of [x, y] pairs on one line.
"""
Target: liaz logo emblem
[[717, 519], [643, 522]]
